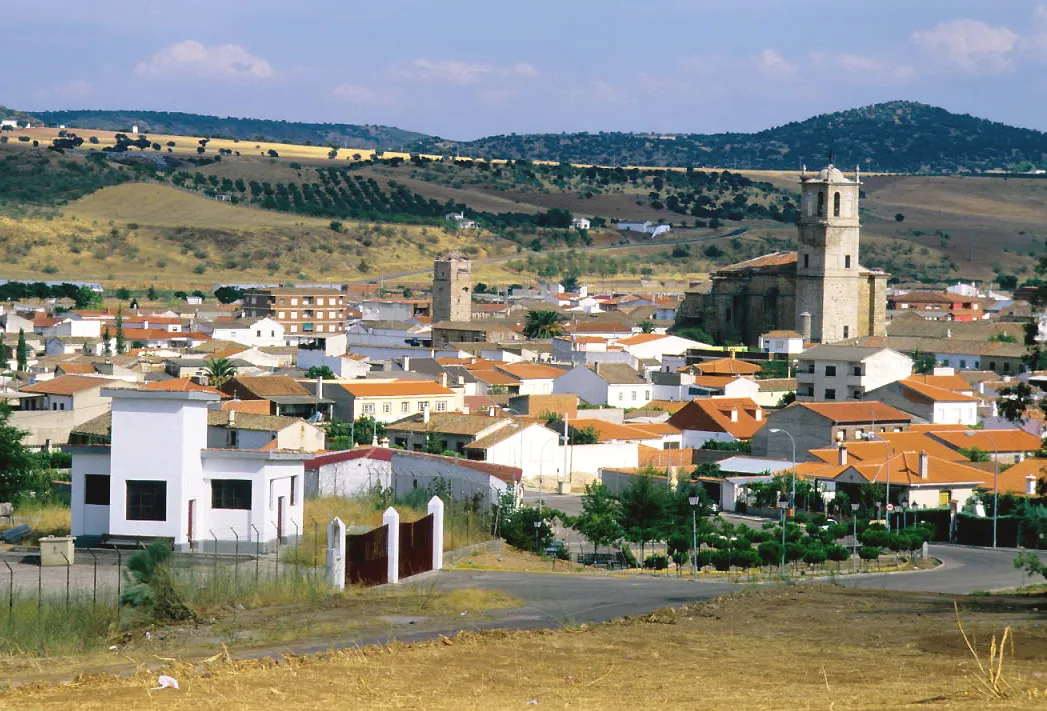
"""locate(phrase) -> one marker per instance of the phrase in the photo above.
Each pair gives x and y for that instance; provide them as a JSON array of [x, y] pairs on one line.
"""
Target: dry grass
[[806, 648], [44, 520], [513, 560]]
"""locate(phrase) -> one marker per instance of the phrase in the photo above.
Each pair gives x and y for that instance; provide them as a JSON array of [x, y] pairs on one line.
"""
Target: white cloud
[[229, 62], [769, 63], [970, 45], [1035, 43], [872, 69], [600, 92], [457, 73], [360, 95]]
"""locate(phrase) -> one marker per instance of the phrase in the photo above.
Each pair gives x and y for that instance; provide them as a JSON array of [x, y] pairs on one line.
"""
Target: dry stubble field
[[810, 647]]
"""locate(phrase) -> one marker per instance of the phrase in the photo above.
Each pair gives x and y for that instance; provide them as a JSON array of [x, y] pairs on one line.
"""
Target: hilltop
[[340, 135], [896, 137]]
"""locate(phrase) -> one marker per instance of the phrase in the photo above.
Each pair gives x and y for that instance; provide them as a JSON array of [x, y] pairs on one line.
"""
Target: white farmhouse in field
[[159, 479]]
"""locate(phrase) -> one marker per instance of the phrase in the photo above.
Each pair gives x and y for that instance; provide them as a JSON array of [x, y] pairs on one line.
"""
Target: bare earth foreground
[[801, 647]]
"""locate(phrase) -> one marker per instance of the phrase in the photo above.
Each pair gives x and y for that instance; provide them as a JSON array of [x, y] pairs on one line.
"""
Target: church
[[820, 291]]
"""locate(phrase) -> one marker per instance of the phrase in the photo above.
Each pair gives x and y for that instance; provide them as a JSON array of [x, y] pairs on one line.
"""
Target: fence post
[[257, 550], [391, 519], [336, 554], [236, 559], [214, 572], [94, 582], [436, 508], [277, 548], [119, 575], [10, 589], [316, 543], [297, 537], [39, 586], [68, 570]]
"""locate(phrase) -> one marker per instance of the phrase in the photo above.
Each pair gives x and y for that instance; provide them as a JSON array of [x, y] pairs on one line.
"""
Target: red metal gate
[[367, 557], [416, 547]]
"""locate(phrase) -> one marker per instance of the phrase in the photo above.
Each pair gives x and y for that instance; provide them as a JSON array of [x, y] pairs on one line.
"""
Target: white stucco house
[[159, 479], [839, 372], [782, 342], [254, 332], [614, 384], [644, 346]]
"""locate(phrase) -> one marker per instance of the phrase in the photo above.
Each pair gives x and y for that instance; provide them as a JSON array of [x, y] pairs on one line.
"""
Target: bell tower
[[827, 271]]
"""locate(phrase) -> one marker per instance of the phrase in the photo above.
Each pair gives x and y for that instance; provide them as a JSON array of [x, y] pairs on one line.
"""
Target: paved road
[[963, 570]]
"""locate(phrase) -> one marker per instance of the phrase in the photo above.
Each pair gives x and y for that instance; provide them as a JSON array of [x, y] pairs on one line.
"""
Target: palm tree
[[543, 324], [219, 371]]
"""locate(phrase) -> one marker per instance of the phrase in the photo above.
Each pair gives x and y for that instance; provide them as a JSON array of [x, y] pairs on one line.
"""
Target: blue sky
[[467, 68]]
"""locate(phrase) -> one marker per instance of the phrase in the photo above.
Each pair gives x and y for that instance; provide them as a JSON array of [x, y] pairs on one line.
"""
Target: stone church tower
[[827, 270], [452, 290]]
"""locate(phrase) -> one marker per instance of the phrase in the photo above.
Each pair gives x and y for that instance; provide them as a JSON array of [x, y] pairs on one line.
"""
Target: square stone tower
[[452, 289], [827, 271]]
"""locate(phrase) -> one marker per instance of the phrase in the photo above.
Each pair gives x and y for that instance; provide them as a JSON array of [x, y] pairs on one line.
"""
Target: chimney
[[805, 326], [425, 414], [407, 363], [923, 464], [232, 418], [734, 415], [1030, 485], [948, 333], [319, 386], [758, 415], [443, 379], [841, 455]]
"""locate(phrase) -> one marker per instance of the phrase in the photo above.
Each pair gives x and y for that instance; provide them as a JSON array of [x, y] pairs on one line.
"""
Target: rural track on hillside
[[606, 247]]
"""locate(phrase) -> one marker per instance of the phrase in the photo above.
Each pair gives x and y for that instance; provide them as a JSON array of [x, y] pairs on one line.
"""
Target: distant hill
[[20, 116], [898, 136], [182, 124]]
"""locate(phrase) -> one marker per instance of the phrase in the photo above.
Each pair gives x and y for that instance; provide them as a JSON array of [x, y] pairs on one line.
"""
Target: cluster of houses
[[166, 444]]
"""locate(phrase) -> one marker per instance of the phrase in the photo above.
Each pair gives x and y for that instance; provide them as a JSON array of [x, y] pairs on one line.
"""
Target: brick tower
[[452, 290]]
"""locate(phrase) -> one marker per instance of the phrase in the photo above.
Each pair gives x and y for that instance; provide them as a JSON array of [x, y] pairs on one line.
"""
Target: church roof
[[828, 174], [765, 262]]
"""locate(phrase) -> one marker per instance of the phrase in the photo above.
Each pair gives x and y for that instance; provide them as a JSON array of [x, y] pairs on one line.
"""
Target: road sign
[[890, 507]]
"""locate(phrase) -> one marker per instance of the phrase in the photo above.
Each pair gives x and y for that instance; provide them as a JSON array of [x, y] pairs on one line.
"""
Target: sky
[[462, 69]]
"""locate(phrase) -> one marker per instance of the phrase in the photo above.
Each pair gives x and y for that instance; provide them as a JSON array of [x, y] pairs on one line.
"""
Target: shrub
[[868, 552], [630, 558], [770, 552], [656, 561], [746, 559], [814, 555], [837, 553], [721, 560]]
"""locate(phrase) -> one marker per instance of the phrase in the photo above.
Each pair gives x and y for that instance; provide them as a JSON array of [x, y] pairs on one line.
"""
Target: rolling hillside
[[898, 137], [339, 135]]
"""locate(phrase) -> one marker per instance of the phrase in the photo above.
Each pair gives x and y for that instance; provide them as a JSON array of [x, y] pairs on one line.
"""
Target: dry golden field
[[806, 647]]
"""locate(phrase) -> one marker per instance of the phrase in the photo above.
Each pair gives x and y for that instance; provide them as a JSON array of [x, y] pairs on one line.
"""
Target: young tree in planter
[[121, 342], [837, 554], [644, 509], [107, 344], [598, 521], [868, 553]]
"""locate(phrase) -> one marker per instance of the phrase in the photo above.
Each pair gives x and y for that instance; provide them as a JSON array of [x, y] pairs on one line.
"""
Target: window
[[230, 493], [387, 407], [810, 391], [646, 394], [846, 261], [830, 371], [282, 314], [320, 301], [821, 204], [146, 500], [836, 204], [294, 314], [963, 363], [1006, 366], [405, 406], [846, 331], [858, 370], [634, 395], [621, 396], [258, 333], [233, 439], [806, 261], [423, 405], [294, 301], [441, 406], [294, 490], [96, 489], [830, 394], [369, 408], [858, 394]]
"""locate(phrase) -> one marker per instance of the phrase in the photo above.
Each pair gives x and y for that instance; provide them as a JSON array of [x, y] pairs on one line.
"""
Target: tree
[[837, 554], [569, 282], [899, 217], [586, 435], [1030, 562], [123, 293], [121, 342], [644, 508], [15, 460], [219, 371], [107, 342], [599, 518], [323, 372], [228, 294], [272, 154], [923, 363], [22, 352], [646, 326], [543, 324], [1013, 401]]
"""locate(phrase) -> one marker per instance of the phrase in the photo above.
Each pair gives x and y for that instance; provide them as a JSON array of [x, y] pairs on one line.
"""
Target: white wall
[[584, 383], [349, 478], [590, 458], [88, 520], [629, 395], [535, 450], [955, 413]]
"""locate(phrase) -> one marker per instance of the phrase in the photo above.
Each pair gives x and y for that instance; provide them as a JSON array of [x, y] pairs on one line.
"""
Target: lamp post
[[792, 497], [854, 536], [537, 527], [995, 480], [694, 501]]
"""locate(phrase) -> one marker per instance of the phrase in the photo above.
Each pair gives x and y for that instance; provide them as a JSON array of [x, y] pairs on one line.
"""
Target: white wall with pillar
[[391, 519], [336, 554]]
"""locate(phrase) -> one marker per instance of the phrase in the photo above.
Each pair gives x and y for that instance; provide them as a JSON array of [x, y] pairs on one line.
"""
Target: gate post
[[436, 509], [336, 554], [391, 520]]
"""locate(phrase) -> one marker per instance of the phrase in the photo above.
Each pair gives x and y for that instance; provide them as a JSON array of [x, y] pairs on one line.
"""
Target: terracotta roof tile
[[396, 388], [69, 385]]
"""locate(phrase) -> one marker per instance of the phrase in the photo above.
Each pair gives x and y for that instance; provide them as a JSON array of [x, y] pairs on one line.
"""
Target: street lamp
[[694, 501], [995, 480], [854, 537], [537, 526], [792, 498]]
